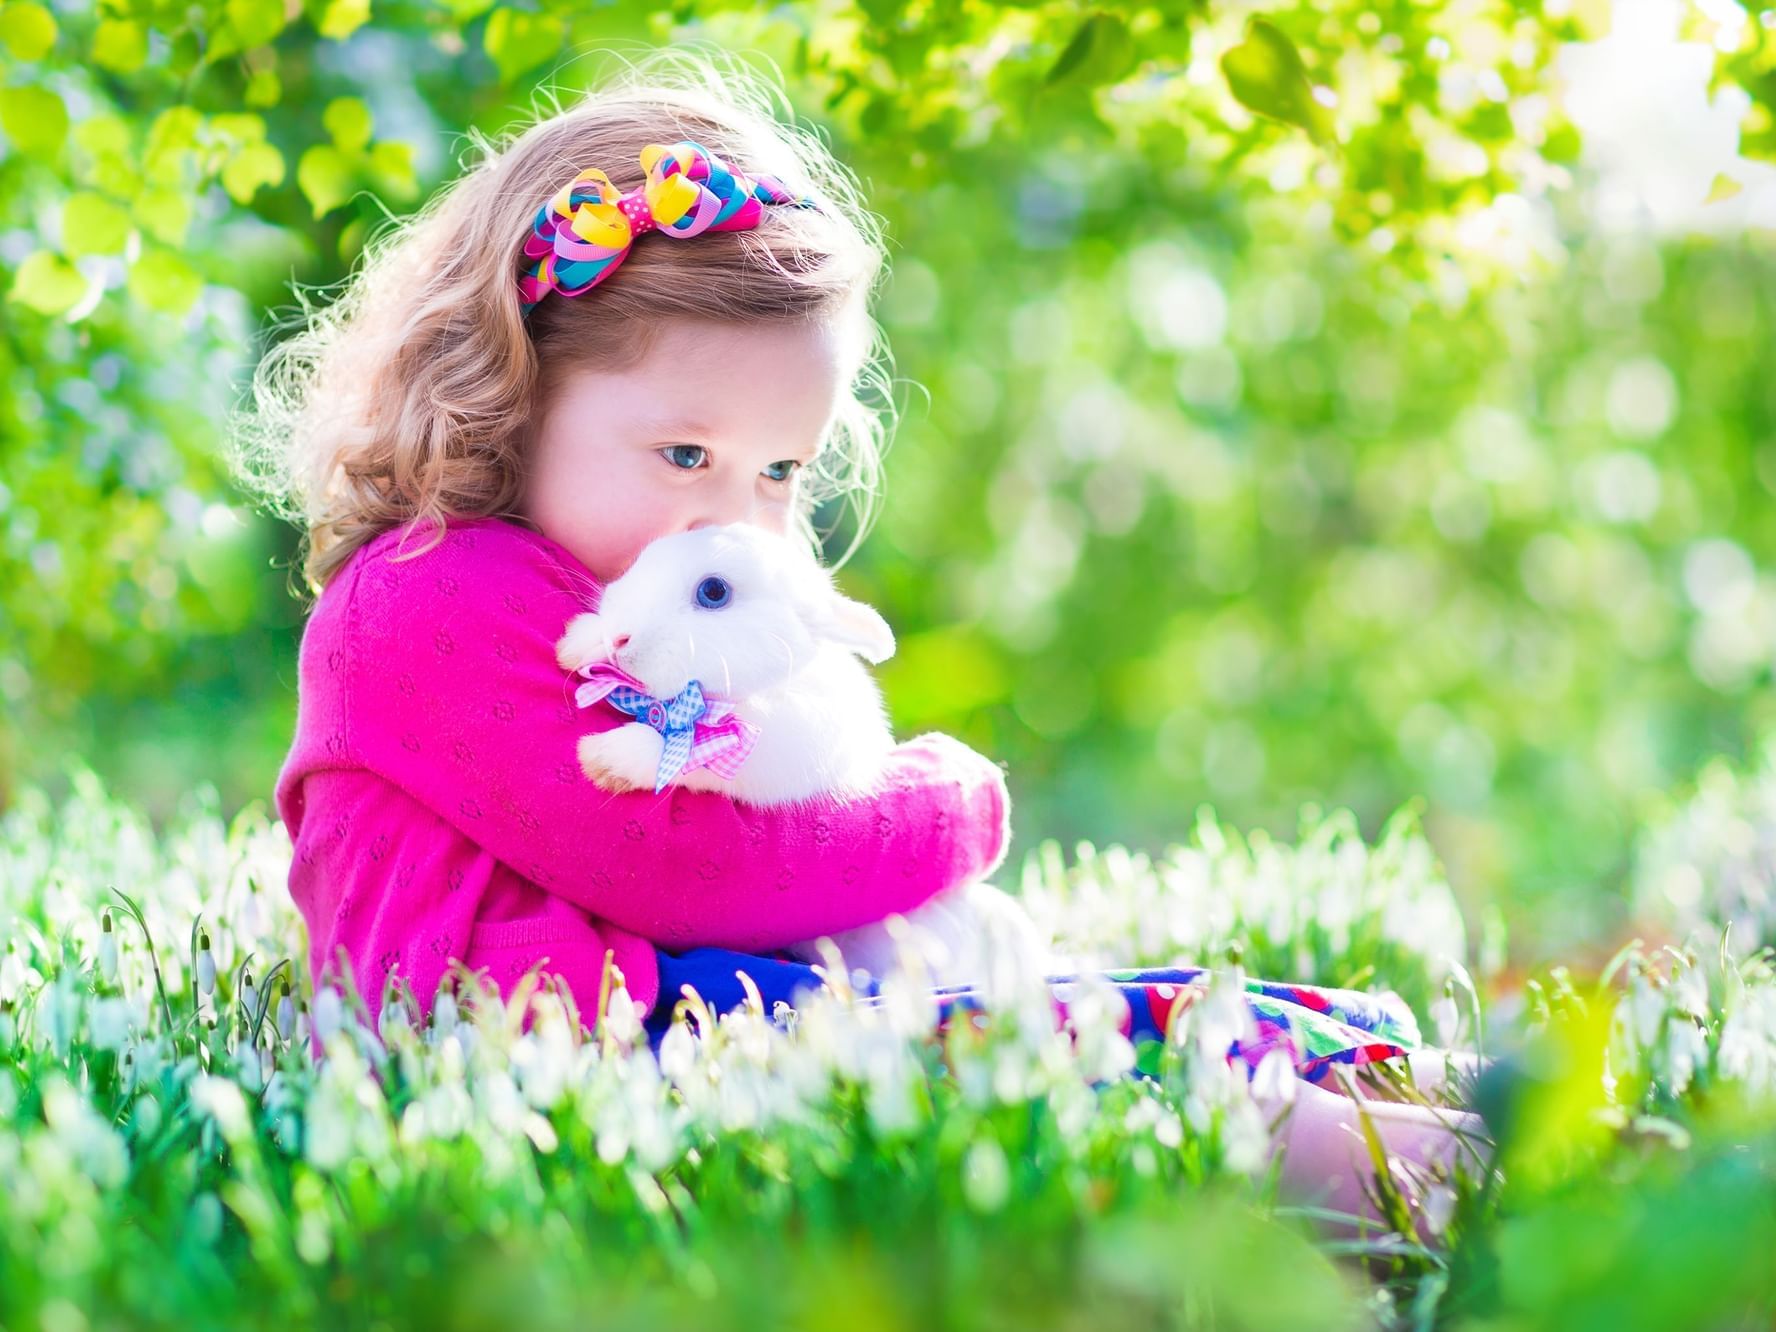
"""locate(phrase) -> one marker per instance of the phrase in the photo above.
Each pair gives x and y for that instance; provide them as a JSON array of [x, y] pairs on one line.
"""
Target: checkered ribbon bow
[[699, 732]]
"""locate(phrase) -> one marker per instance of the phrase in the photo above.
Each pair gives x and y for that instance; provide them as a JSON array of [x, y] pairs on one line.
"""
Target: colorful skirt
[[1317, 1027]]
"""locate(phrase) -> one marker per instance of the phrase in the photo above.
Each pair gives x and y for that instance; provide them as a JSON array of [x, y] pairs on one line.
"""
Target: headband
[[583, 234]]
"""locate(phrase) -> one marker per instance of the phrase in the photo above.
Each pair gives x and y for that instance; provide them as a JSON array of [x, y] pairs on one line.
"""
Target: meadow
[[1332, 464]]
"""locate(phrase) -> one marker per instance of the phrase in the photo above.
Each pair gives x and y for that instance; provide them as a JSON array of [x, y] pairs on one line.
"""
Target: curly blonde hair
[[413, 395]]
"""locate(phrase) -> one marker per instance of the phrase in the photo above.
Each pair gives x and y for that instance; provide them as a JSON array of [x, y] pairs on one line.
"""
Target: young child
[[543, 371]]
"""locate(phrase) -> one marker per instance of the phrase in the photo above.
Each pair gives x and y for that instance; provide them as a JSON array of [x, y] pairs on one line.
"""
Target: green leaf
[[255, 165], [98, 135], [1266, 75], [325, 178], [239, 127], [173, 133], [48, 283], [163, 281], [256, 22], [1722, 187], [347, 119], [92, 224], [392, 161], [341, 18], [34, 119], [28, 31], [164, 214], [518, 40], [120, 45], [1102, 51], [264, 88]]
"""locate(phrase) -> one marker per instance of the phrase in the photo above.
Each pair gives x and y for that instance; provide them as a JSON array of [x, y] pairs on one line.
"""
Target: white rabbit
[[759, 624]]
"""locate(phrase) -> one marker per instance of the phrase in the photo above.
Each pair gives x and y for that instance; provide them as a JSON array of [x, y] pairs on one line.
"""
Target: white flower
[[286, 1012], [329, 1014], [986, 1177], [678, 1053], [107, 949], [206, 966], [111, 1020], [221, 1100]]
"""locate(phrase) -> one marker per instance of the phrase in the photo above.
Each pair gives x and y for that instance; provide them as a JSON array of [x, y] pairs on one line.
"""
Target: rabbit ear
[[855, 625]]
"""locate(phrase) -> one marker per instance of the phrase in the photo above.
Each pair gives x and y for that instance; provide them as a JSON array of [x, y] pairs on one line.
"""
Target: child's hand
[[624, 759]]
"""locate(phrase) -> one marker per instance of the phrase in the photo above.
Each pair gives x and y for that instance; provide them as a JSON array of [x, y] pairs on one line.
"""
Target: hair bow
[[581, 236], [699, 732]]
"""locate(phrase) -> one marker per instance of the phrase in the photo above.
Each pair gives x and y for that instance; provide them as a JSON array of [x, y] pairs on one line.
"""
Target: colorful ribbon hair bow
[[699, 732], [583, 234]]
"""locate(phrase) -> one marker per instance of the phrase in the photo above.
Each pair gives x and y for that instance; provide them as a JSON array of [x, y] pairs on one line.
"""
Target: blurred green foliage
[[1290, 430]]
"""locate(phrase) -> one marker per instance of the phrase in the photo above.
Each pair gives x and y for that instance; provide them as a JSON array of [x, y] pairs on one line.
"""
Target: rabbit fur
[[782, 649]]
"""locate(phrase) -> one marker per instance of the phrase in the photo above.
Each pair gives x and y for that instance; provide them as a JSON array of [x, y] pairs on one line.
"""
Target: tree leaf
[[255, 165], [48, 283], [1722, 187], [324, 177], [519, 41], [120, 45], [256, 22], [164, 213], [1102, 51], [347, 119], [163, 281], [392, 161], [264, 88], [1266, 75], [341, 18], [92, 224], [28, 30], [34, 119]]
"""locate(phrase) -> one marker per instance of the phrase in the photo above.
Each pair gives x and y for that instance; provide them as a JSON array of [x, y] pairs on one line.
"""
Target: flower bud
[[302, 1024], [444, 1014], [206, 965], [328, 1014], [249, 993], [107, 948], [286, 1012]]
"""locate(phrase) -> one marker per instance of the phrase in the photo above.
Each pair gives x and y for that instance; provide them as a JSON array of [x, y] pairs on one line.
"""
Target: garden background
[[1331, 405]]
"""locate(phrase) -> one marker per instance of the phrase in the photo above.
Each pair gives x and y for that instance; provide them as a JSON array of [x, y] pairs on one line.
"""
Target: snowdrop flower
[[678, 1053], [249, 994], [329, 1014], [107, 949], [445, 1015], [1273, 1080], [206, 966], [986, 1176], [87, 1139], [620, 1017], [109, 1020], [221, 1100], [286, 1012]]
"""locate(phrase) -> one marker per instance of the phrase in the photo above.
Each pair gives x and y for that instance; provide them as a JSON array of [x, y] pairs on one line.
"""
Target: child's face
[[711, 427]]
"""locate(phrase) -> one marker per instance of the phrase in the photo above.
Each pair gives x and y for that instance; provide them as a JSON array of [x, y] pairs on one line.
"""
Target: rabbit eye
[[713, 592]]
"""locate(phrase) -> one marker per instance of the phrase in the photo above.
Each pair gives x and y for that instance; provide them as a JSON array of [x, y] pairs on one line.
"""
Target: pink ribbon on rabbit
[[699, 732]]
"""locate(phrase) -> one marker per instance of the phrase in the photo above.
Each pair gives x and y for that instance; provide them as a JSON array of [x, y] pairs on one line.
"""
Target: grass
[[174, 1156]]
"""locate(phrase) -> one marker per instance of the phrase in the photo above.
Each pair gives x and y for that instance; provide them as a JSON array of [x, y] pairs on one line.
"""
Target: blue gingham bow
[[675, 718], [698, 733]]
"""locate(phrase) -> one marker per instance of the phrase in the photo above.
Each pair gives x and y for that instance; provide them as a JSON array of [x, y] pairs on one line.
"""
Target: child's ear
[[854, 625], [584, 641]]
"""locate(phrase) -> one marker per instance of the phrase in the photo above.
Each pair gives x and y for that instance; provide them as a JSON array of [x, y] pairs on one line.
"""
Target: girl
[[521, 388]]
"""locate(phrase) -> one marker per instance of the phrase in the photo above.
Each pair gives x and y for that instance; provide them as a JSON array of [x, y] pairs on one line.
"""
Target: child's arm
[[454, 694]]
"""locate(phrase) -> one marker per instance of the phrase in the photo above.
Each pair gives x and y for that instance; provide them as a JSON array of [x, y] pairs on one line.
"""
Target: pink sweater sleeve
[[453, 693]]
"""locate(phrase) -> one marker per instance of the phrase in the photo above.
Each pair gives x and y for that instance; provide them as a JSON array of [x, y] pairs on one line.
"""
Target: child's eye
[[788, 466], [676, 455]]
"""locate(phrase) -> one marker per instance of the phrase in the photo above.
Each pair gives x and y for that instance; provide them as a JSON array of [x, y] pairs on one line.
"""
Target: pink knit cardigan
[[438, 811]]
